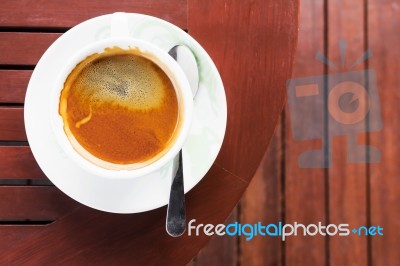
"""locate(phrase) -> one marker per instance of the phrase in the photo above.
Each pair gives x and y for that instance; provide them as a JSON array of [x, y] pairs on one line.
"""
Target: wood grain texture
[[247, 40], [18, 163], [383, 40], [59, 13], [192, 262], [43, 203], [347, 180], [21, 48], [90, 236], [262, 202], [220, 250], [12, 124], [348, 200], [13, 84], [11, 234], [305, 187]]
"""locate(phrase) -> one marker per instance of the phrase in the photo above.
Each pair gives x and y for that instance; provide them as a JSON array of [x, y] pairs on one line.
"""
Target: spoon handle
[[176, 213]]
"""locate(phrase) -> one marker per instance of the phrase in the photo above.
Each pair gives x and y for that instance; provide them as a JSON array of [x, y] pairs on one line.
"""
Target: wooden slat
[[18, 163], [305, 188], [33, 203], [12, 124], [221, 250], [59, 13], [262, 202], [384, 40], [247, 40], [347, 181], [24, 48], [13, 84]]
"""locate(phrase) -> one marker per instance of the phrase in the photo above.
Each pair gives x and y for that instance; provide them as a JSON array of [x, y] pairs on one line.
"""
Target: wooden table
[[252, 44], [355, 193]]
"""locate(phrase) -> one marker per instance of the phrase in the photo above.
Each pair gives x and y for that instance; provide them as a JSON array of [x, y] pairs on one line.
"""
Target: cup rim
[[167, 62]]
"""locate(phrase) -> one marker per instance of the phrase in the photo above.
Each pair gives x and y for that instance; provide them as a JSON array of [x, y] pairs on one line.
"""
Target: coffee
[[120, 107]]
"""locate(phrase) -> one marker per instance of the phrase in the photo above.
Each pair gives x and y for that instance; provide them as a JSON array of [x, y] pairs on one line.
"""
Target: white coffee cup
[[108, 170]]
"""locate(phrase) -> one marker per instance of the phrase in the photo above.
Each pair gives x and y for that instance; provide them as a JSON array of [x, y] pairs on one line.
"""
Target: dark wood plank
[[43, 203], [24, 48], [247, 40], [305, 188], [347, 181], [12, 124], [221, 250], [60, 13], [262, 202], [18, 163], [90, 236], [383, 38], [13, 84]]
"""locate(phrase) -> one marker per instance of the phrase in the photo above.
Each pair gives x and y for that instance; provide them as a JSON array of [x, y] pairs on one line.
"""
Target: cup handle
[[119, 25]]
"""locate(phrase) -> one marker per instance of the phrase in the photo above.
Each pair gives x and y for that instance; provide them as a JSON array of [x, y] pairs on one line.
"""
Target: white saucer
[[143, 193]]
